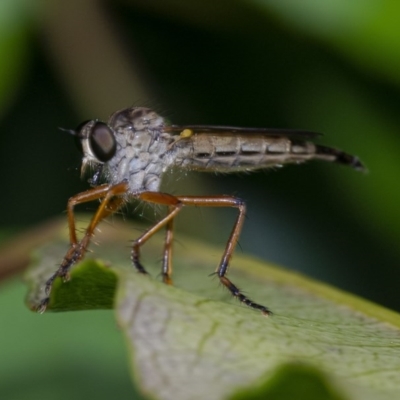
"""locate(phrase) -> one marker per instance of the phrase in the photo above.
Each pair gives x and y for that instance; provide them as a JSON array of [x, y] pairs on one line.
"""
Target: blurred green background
[[329, 66]]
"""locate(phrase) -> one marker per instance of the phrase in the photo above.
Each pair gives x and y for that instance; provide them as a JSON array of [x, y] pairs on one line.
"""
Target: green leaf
[[293, 381], [194, 341], [93, 289]]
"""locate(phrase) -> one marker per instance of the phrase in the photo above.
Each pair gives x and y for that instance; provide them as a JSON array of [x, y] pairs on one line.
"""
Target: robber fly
[[137, 146]]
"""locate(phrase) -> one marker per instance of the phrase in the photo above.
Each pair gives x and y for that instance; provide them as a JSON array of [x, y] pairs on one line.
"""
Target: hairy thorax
[[142, 150]]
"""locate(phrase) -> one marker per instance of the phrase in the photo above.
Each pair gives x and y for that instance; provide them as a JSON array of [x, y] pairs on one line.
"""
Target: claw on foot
[[73, 255], [237, 293], [65, 276], [41, 308], [167, 279]]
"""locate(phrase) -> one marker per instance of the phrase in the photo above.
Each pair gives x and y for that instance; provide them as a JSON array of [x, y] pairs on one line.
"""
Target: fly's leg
[[77, 250], [174, 206], [166, 269], [111, 202], [221, 271]]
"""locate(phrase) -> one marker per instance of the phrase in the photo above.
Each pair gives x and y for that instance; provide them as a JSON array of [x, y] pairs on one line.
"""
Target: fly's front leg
[[77, 250], [110, 203], [174, 206], [84, 197], [227, 201]]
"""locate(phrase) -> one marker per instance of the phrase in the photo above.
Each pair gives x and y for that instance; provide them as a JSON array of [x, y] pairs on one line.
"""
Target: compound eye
[[102, 142]]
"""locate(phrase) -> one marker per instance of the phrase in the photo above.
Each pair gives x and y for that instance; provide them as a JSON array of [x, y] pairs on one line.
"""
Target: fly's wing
[[230, 149], [235, 130]]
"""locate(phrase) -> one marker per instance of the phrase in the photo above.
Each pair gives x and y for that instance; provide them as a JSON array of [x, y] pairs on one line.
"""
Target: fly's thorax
[[141, 147], [136, 119]]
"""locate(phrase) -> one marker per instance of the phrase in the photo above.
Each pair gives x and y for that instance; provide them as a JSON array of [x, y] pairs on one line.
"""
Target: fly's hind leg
[[221, 271], [175, 204], [111, 202]]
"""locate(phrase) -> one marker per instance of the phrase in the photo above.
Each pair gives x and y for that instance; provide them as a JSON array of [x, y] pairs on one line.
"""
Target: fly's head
[[96, 141], [128, 146]]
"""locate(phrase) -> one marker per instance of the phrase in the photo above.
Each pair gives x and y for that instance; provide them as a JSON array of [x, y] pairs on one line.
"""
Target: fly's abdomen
[[230, 153]]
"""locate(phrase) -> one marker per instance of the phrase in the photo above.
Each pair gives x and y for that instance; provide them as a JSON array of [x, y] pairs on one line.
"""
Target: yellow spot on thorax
[[186, 133]]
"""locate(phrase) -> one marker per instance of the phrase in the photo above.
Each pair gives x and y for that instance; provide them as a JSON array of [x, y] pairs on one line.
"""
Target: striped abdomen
[[230, 153]]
